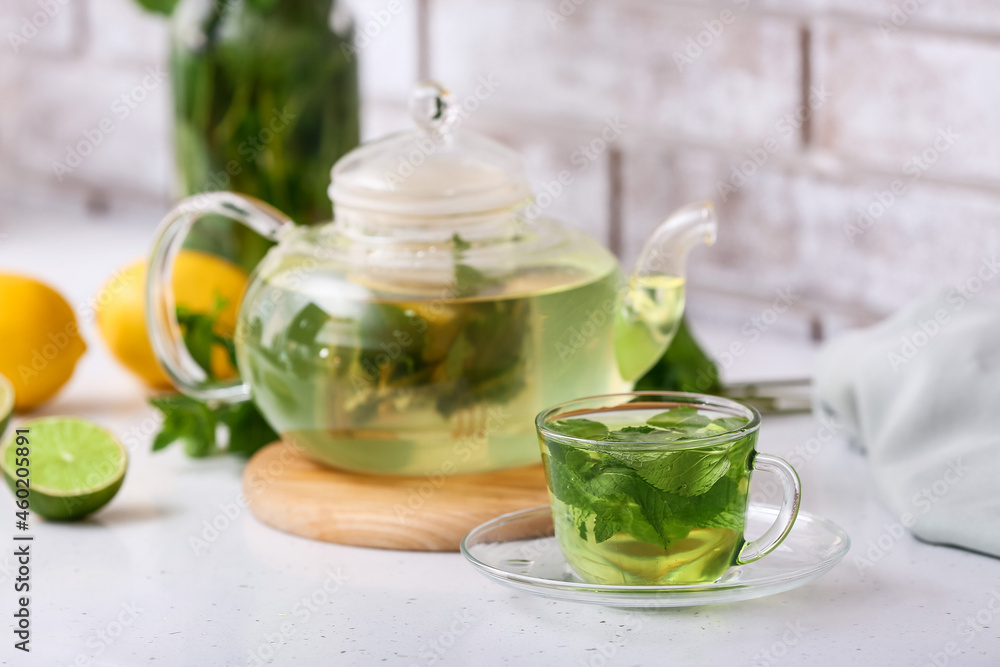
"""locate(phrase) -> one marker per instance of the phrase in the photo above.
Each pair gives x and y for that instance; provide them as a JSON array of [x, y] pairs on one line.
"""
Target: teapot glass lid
[[436, 169]]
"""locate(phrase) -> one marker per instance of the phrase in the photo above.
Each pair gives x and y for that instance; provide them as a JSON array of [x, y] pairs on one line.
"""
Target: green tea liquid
[[624, 515], [703, 555], [422, 385], [647, 322]]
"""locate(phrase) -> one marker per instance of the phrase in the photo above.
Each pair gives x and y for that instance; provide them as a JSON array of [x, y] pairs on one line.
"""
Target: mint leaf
[[571, 478], [610, 516], [685, 472], [728, 519], [579, 517], [165, 7], [459, 244], [187, 421], [612, 481], [717, 426], [684, 367], [454, 361], [639, 434], [568, 486], [740, 453], [468, 280], [636, 429], [556, 450], [682, 417], [199, 334], [715, 509], [579, 428], [248, 430], [730, 423], [308, 322], [639, 527], [582, 462], [193, 423], [623, 481]]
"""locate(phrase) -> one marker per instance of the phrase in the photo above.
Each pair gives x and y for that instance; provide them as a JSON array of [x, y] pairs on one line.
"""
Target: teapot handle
[[161, 314]]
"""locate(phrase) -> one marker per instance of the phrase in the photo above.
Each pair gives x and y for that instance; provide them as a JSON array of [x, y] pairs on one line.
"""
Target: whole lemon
[[199, 280], [40, 341]]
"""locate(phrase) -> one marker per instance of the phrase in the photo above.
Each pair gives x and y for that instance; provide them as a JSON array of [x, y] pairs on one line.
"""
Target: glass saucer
[[520, 551]]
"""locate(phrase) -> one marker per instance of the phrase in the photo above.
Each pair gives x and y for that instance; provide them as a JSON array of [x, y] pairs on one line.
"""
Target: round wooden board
[[289, 492]]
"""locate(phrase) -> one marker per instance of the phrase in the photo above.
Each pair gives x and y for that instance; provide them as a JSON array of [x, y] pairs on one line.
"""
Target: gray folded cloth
[[920, 393]]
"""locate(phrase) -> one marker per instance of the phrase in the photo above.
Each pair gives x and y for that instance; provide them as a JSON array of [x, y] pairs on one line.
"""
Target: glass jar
[[265, 100]]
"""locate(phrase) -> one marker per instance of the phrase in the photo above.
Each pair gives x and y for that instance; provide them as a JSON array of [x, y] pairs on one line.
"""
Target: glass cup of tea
[[650, 488]]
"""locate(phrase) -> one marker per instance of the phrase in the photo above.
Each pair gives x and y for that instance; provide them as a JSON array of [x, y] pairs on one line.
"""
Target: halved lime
[[73, 467], [6, 402]]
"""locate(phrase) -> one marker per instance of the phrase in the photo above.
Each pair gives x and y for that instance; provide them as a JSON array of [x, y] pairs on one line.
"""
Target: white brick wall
[[115, 137], [608, 59], [386, 41], [891, 97], [973, 16], [34, 28], [706, 93]]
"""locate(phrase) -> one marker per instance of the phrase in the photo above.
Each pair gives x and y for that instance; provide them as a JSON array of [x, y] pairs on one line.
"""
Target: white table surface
[[130, 575]]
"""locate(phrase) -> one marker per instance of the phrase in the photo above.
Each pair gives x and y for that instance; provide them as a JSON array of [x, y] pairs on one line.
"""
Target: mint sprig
[[194, 423], [656, 496]]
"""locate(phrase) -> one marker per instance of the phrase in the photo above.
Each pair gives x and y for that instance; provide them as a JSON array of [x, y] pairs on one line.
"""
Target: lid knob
[[432, 107], [435, 171]]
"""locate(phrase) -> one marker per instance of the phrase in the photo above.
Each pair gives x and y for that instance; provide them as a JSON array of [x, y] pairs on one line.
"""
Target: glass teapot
[[423, 329]]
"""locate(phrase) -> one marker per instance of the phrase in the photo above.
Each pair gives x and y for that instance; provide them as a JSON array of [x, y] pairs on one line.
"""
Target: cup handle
[[161, 314], [789, 509]]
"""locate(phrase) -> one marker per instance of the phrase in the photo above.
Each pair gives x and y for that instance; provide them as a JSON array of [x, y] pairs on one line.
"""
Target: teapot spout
[[665, 253], [653, 304]]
